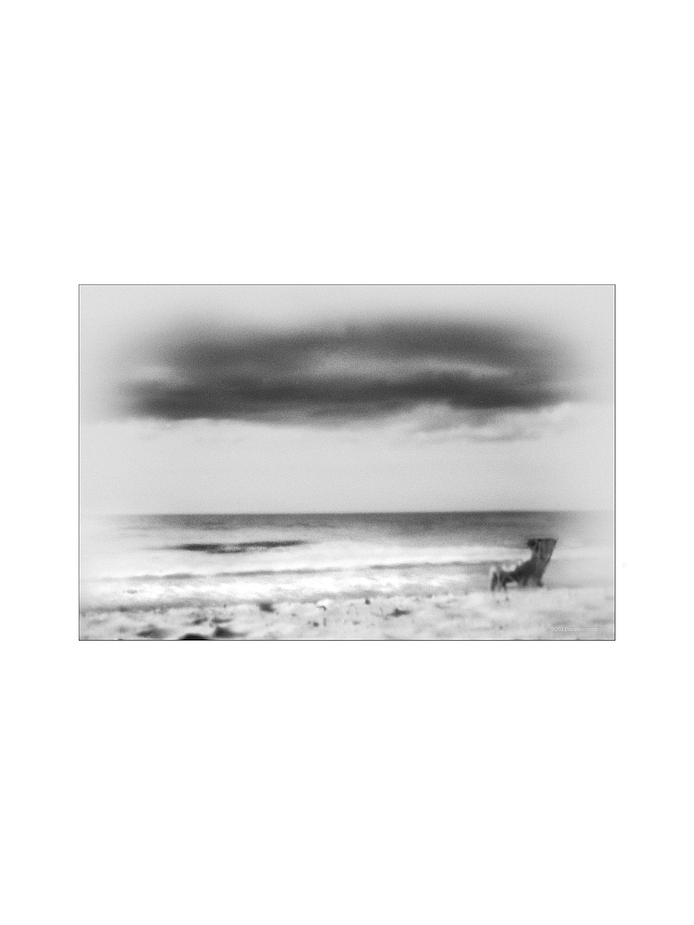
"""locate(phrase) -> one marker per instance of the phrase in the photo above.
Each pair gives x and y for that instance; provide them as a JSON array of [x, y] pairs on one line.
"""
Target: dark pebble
[[223, 633], [152, 632]]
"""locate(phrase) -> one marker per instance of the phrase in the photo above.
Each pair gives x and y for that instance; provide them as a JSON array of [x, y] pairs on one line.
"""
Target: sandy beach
[[562, 613]]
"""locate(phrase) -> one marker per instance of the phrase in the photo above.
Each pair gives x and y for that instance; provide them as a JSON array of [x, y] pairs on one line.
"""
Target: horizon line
[[609, 510]]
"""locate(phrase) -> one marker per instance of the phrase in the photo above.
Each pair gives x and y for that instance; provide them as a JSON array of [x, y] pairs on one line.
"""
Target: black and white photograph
[[347, 462], [356, 336]]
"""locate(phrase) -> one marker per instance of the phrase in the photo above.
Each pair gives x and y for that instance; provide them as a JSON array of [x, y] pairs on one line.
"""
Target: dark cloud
[[351, 373]]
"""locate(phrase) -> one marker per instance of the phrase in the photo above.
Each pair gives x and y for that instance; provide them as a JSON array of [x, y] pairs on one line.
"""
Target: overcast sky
[[226, 399]]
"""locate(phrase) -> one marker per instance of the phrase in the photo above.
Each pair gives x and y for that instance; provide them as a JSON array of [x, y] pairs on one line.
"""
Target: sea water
[[150, 562]]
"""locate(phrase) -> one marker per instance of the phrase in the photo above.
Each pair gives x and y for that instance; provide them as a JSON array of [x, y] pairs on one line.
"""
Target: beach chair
[[528, 573]]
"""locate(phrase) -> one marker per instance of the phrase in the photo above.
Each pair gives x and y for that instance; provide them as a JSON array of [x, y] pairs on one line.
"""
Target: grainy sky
[[229, 399]]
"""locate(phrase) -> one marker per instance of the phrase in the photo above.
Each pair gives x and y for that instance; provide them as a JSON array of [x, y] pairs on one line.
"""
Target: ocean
[[159, 562]]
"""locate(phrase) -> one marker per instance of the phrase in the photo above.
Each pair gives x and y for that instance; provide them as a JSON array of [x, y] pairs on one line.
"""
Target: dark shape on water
[[528, 573], [194, 636], [266, 606], [399, 613], [236, 548]]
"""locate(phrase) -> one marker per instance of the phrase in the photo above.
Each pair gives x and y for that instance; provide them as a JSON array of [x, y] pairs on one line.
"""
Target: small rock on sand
[[221, 632], [152, 632]]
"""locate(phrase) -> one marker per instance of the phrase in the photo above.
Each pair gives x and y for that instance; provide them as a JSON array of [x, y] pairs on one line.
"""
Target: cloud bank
[[351, 374]]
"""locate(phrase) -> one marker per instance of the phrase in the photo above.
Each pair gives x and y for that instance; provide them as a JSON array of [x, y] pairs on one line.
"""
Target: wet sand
[[560, 613]]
